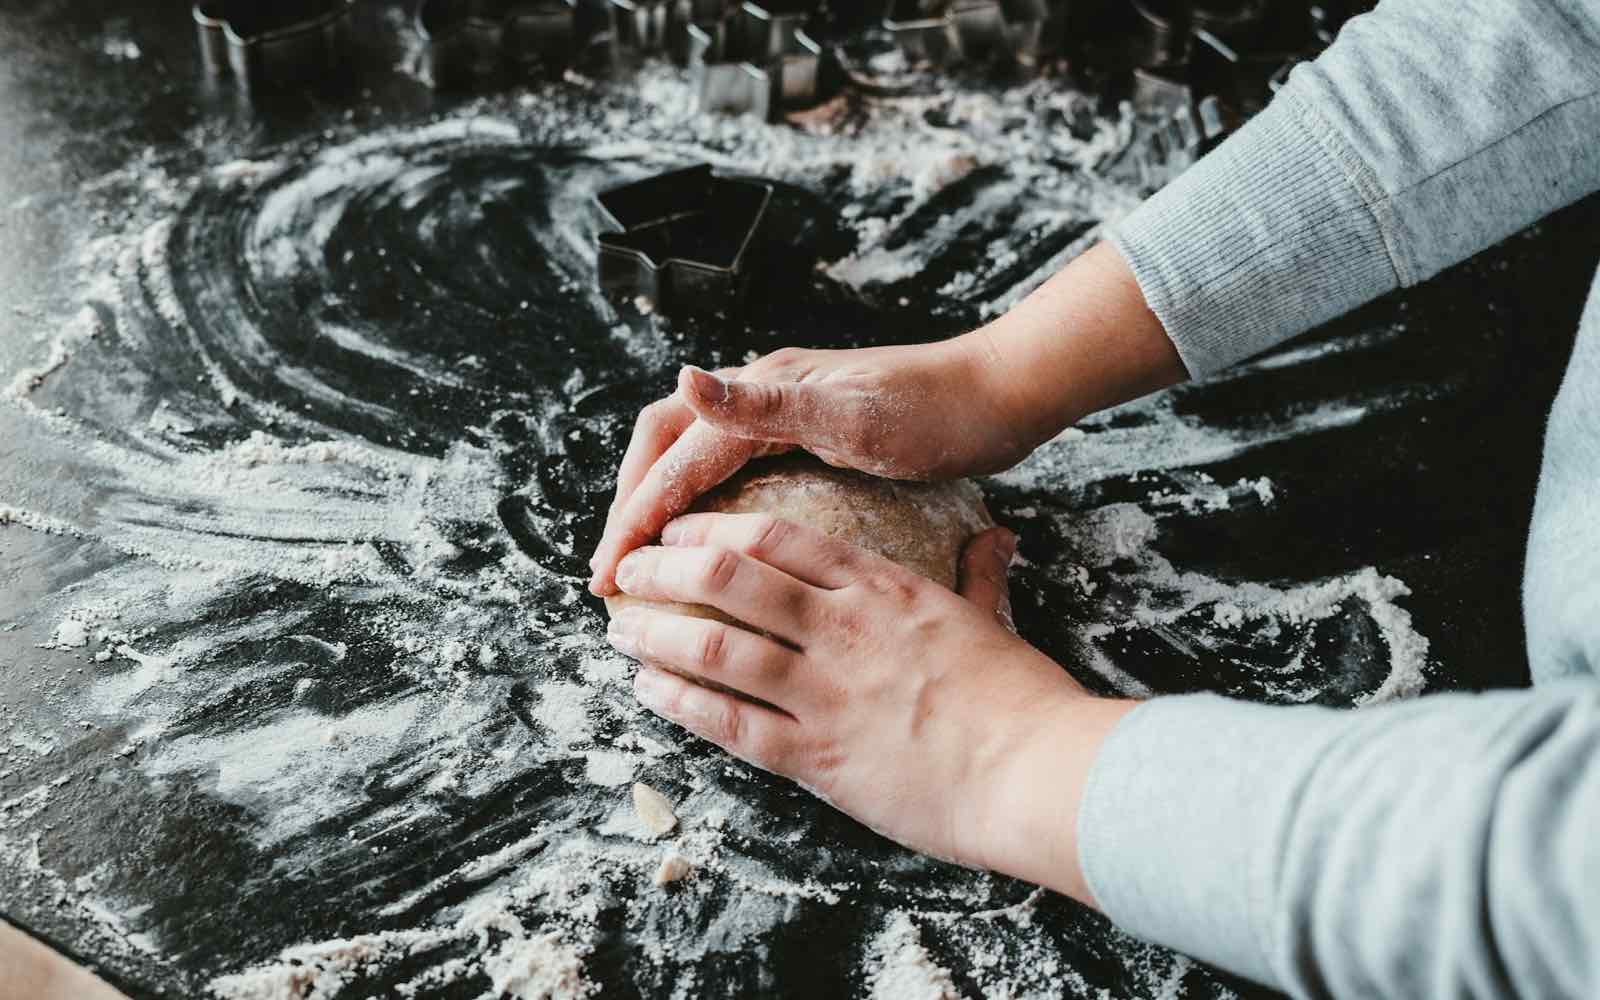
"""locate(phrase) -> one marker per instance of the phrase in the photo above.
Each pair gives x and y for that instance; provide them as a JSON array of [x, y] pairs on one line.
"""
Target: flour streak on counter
[[294, 394]]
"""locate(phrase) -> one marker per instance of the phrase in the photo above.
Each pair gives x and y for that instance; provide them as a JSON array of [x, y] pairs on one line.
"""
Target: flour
[[71, 634], [537, 968], [903, 969], [83, 327], [310, 617]]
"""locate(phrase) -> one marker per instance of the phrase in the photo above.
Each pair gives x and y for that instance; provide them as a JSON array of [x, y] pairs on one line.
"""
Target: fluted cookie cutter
[[274, 46], [466, 38], [679, 241], [942, 32], [758, 61]]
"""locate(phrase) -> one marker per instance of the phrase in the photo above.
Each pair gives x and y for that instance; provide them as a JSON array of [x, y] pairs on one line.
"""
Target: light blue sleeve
[[1429, 130], [1446, 847]]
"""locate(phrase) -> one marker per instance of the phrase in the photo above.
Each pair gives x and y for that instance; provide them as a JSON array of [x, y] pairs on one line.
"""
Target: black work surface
[[321, 699]]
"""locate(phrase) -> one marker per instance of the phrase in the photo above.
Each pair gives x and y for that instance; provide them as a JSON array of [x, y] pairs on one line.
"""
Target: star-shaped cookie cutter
[[679, 241], [273, 46], [943, 32], [758, 61]]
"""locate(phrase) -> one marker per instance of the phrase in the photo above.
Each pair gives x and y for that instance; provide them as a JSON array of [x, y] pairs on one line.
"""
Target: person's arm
[[1444, 847], [1441, 847], [1429, 130]]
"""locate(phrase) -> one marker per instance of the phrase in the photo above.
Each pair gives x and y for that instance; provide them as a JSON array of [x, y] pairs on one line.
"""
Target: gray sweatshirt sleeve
[[1447, 847], [1429, 130]]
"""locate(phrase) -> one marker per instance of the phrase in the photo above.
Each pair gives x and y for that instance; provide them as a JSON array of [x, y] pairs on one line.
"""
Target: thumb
[[794, 413], [983, 572]]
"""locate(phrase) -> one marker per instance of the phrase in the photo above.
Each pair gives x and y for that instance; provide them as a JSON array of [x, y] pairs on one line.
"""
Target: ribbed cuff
[[1279, 229], [1179, 828]]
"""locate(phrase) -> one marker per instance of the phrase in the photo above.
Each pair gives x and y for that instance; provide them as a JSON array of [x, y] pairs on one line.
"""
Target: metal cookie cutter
[[1180, 137], [663, 25], [942, 32], [274, 46], [681, 239], [1163, 33], [756, 62], [641, 24], [471, 37]]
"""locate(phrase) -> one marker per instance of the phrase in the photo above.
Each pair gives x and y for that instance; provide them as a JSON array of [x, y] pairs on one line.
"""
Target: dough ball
[[921, 526]]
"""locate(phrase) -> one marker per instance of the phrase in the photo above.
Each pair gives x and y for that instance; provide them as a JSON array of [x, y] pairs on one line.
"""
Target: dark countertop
[[322, 704]]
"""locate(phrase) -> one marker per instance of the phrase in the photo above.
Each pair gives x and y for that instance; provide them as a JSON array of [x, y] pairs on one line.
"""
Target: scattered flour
[[902, 969]]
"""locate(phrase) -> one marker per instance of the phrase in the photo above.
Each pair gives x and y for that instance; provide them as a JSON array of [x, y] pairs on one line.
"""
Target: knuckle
[[718, 570], [898, 587], [726, 728], [768, 750], [767, 534], [712, 646], [784, 356], [767, 397], [652, 416]]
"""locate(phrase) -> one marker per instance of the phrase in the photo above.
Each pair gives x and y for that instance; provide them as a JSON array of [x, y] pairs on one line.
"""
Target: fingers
[[760, 735], [984, 563], [701, 458], [656, 428], [751, 664], [806, 414], [801, 552], [746, 589]]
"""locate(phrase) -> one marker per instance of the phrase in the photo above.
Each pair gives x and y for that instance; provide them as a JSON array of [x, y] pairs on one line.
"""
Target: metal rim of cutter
[[758, 61], [674, 280], [948, 32], [284, 52]]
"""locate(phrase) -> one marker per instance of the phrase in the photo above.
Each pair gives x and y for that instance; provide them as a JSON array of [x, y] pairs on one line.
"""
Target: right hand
[[927, 411]]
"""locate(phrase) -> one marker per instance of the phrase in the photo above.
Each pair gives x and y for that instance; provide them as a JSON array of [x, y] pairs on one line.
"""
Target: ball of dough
[[921, 526]]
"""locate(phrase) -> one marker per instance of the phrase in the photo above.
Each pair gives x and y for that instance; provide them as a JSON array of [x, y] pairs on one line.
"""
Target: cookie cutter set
[[745, 58]]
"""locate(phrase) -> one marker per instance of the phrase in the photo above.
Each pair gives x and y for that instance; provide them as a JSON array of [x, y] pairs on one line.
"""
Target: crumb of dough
[[674, 866], [653, 809]]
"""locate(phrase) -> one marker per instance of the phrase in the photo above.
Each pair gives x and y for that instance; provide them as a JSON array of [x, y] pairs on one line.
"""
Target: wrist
[[1083, 341], [1030, 825]]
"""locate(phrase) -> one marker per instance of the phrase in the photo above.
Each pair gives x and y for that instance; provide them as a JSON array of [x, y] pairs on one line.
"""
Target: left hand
[[914, 709]]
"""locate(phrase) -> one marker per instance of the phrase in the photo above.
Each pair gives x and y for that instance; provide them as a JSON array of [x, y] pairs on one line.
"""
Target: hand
[[849, 408], [915, 710], [977, 403]]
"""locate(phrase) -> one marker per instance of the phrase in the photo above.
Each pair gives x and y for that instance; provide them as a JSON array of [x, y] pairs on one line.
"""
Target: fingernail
[[706, 385], [620, 638], [1006, 545], [671, 533], [627, 572], [650, 688]]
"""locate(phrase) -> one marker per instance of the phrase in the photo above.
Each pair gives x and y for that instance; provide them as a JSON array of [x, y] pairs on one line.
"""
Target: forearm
[[1441, 847], [1082, 341]]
